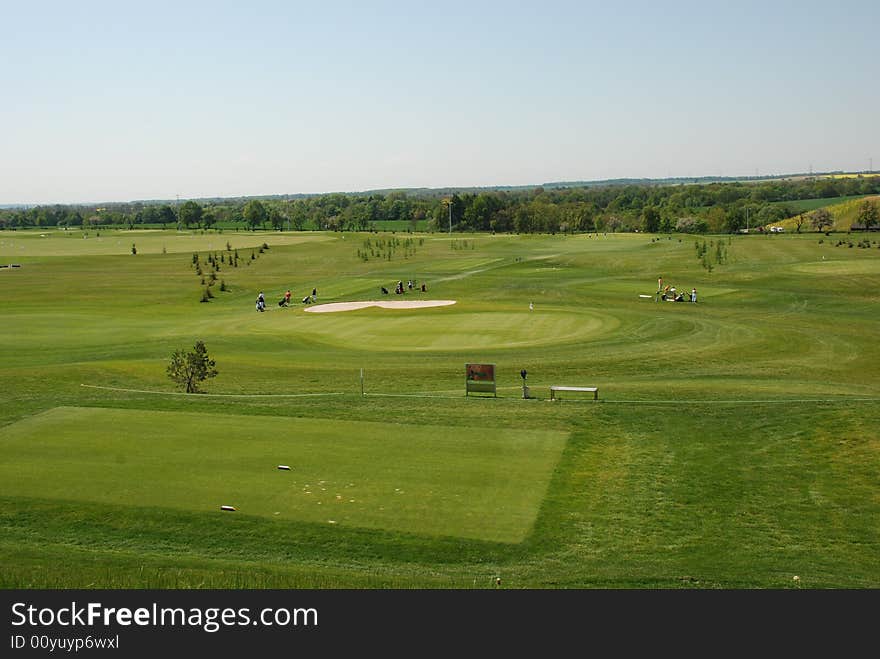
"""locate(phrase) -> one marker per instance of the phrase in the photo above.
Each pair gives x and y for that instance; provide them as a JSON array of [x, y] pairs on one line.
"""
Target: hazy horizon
[[697, 178], [108, 103]]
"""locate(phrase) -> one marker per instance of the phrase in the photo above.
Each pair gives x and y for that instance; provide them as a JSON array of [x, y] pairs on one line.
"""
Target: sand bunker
[[390, 304]]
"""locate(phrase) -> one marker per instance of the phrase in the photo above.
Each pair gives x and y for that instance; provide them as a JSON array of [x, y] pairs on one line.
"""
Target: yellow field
[[844, 214]]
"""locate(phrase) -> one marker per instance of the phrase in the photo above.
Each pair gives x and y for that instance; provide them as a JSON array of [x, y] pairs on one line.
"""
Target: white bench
[[557, 387]]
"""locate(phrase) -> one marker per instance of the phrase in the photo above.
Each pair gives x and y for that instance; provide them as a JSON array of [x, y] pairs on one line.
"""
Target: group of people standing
[[399, 288], [285, 300], [669, 294]]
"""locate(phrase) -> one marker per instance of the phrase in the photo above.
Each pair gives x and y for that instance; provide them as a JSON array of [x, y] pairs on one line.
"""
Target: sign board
[[480, 378]]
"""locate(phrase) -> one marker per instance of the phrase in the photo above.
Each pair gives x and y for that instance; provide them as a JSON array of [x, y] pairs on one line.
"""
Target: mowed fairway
[[483, 484], [735, 441]]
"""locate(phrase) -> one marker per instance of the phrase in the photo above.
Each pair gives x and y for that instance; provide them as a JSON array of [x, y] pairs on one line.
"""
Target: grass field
[[807, 205], [735, 443]]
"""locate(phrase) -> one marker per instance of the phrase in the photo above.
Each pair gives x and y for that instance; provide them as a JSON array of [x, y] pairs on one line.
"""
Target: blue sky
[[118, 101]]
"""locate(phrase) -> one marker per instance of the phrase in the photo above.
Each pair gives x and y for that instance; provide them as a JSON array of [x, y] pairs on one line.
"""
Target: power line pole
[[450, 217]]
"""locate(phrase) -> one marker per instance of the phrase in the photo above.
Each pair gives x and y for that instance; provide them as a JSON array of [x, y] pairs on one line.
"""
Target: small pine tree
[[188, 369]]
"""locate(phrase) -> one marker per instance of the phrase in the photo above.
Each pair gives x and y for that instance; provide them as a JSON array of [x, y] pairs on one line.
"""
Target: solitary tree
[[254, 213], [821, 218], [868, 214], [209, 218], [187, 369], [190, 213], [166, 215], [276, 219]]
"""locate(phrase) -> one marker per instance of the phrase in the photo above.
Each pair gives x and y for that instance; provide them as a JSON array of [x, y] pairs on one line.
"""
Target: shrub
[[691, 225]]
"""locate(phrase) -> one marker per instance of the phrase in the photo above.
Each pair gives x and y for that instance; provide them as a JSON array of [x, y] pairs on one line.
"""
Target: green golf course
[[734, 442]]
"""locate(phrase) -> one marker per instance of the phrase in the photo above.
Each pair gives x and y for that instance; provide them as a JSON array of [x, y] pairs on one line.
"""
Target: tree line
[[716, 207]]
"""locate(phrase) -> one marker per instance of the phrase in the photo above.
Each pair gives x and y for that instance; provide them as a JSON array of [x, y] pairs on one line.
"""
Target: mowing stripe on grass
[[201, 395]]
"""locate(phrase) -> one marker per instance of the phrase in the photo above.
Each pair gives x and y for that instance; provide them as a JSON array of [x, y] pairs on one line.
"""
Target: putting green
[[442, 329], [480, 483], [839, 268]]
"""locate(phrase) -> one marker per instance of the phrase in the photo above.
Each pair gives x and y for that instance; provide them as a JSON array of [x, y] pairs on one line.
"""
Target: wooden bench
[[556, 387]]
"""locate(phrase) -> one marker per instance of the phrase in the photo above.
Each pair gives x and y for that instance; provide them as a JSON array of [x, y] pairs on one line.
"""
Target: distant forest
[[716, 207]]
